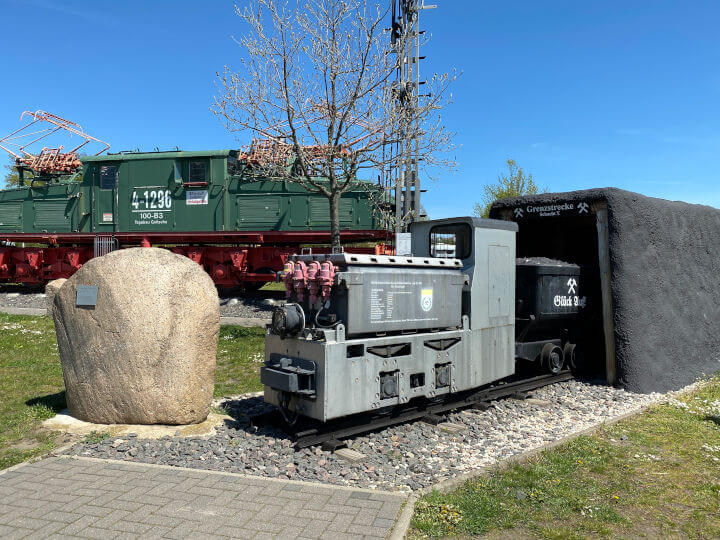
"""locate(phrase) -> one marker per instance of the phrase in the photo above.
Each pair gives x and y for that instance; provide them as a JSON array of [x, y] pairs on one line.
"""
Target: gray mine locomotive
[[367, 333]]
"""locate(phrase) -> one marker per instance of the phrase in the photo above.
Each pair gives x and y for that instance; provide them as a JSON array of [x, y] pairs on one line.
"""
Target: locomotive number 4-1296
[[151, 200]]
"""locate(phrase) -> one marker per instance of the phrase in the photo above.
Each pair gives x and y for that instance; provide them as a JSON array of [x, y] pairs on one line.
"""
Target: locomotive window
[[108, 177], [177, 172], [451, 241], [197, 171]]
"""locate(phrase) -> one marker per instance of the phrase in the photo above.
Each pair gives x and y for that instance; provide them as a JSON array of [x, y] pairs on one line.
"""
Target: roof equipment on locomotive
[[50, 161]]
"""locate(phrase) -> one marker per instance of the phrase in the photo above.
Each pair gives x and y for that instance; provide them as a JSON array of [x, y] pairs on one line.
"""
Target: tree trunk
[[335, 219]]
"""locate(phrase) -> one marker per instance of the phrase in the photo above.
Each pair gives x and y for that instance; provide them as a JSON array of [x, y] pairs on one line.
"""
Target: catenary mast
[[405, 145]]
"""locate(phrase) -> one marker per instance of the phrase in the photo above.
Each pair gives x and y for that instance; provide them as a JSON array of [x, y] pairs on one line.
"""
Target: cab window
[[197, 171], [451, 241], [108, 177]]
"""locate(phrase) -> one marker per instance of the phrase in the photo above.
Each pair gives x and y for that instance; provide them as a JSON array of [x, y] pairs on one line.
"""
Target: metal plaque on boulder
[[86, 295]]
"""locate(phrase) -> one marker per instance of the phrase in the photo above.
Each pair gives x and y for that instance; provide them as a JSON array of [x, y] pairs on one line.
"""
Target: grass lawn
[[272, 286], [31, 383], [241, 351], [653, 475]]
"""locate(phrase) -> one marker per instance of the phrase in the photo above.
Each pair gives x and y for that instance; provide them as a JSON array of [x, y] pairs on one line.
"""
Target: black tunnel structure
[[652, 269]]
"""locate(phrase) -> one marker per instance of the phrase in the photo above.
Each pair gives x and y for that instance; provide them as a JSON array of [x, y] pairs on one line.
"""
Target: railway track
[[330, 435]]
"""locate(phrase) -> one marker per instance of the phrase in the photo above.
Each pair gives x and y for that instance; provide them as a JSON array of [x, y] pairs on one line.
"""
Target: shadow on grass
[[713, 418], [54, 402]]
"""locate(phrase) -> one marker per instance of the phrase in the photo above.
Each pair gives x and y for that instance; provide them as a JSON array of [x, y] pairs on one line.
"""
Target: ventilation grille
[[10, 216], [319, 212], [50, 216], [258, 211]]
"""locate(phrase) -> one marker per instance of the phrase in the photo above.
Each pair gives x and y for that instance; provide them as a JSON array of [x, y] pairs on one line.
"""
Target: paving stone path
[[91, 498]]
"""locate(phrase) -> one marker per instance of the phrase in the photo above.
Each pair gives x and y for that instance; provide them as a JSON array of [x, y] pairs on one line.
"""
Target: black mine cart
[[549, 302]]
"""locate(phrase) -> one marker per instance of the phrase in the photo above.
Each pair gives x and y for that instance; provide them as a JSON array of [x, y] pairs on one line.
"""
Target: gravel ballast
[[406, 457]]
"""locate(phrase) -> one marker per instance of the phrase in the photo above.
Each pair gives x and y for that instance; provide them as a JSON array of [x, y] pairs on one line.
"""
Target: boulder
[[51, 290], [145, 353]]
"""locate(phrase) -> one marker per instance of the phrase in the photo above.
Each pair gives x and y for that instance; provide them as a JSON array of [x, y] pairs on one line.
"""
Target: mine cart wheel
[[569, 355], [575, 359], [551, 358]]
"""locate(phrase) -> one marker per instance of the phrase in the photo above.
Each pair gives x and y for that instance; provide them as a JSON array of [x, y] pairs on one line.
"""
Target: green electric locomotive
[[211, 206]]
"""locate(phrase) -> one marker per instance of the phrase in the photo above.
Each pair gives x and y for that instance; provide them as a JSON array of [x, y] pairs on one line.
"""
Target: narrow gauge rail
[[330, 435]]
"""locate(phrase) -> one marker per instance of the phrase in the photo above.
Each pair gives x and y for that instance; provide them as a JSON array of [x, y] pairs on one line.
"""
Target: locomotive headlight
[[288, 320]]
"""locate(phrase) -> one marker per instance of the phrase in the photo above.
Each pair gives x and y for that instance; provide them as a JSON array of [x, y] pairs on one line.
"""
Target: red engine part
[[4, 262], [313, 269], [287, 275], [63, 262], [325, 279], [226, 265], [299, 279]]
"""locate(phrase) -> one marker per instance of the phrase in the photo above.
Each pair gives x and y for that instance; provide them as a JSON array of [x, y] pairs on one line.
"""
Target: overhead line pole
[[405, 41]]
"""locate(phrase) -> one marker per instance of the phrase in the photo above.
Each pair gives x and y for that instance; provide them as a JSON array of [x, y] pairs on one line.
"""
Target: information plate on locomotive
[[195, 198], [86, 296], [388, 299]]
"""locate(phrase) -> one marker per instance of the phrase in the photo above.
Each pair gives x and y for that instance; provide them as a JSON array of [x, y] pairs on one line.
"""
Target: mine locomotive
[[363, 333]]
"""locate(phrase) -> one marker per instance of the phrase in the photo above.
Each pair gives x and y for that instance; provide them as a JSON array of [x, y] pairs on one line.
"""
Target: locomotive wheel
[[551, 358]]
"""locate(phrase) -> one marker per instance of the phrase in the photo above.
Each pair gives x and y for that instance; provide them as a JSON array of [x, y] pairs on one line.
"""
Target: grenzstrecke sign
[[551, 210]]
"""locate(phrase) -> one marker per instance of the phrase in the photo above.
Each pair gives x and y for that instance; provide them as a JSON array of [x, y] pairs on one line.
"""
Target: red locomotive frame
[[232, 259]]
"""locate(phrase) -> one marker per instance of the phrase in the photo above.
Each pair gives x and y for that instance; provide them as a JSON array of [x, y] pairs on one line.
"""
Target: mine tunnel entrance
[[581, 240]]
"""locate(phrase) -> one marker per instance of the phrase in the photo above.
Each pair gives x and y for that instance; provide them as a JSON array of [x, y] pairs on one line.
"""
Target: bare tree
[[314, 86]]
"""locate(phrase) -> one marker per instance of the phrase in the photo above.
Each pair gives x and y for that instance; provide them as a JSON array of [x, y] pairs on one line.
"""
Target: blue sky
[[581, 94]]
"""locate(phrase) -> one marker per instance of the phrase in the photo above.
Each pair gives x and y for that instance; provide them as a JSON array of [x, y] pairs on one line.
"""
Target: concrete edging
[[244, 321], [23, 311], [225, 321], [453, 483], [402, 523]]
